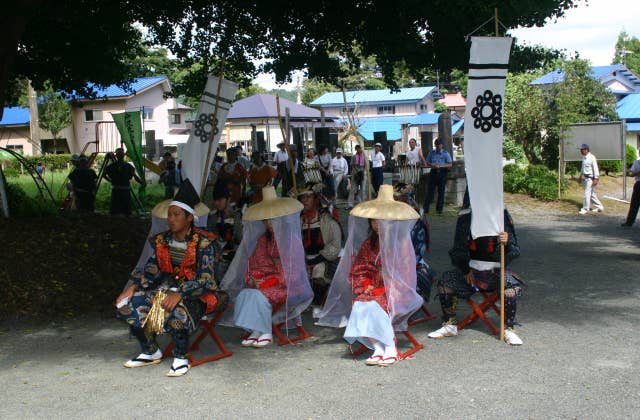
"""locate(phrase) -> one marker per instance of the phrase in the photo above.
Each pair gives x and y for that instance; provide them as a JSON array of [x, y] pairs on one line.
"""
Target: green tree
[[54, 114], [250, 90], [73, 41], [628, 52], [524, 114], [312, 89]]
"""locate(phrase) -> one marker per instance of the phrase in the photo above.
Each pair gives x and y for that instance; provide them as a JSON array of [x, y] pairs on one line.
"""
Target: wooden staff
[[207, 165], [352, 131], [285, 140], [501, 291]]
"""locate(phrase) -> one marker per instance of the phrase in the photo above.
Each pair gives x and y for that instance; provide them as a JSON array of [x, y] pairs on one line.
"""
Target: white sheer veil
[[286, 230], [398, 273]]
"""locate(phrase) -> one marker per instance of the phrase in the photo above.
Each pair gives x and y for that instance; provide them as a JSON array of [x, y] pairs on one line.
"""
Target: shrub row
[[536, 180]]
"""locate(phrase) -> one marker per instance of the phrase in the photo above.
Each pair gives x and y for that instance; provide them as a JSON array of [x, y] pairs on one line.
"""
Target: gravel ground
[[579, 358]]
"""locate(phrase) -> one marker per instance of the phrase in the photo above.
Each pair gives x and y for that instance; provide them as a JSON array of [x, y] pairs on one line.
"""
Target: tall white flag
[[194, 154], [488, 64]]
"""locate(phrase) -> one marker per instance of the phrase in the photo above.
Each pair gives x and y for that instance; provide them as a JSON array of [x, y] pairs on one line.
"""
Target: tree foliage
[[71, 42], [628, 52], [54, 113], [532, 111]]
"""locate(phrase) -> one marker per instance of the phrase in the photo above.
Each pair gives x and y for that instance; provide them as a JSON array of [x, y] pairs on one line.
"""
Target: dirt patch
[[63, 266]]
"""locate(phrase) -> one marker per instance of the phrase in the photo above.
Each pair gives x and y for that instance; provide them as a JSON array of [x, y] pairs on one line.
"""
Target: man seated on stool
[[322, 240], [182, 266], [478, 269]]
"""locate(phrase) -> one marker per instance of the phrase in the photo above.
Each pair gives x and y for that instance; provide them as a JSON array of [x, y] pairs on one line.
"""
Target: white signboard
[[604, 139]]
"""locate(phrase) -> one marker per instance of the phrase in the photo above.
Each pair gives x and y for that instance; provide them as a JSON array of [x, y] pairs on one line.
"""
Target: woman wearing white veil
[[373, 292], [268, 270]]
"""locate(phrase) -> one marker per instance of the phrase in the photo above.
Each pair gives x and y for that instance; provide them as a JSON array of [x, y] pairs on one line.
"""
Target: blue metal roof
[[628, 108], [15, 116], [597, 72], [374, 96], [115, 91], [392, 124], [456, 126], [635, 126]]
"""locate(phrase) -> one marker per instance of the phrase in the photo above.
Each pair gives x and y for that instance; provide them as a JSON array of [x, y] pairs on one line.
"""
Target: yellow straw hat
[[384, 207], [272, 206]]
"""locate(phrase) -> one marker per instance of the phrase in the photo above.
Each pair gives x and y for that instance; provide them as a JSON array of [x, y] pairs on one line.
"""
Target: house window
[[92, 115], [424, 108], [347, 111], [175, 118], [387, 109], [18, 148], [147, 113]]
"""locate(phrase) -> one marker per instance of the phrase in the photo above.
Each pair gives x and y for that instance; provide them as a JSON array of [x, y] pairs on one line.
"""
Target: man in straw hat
[[477, 263], [267, 281], [321, 238], [373, 291], [176, 287]]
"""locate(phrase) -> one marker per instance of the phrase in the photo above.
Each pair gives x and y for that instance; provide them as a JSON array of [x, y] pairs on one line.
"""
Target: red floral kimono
[[265, 268], [366, 276]]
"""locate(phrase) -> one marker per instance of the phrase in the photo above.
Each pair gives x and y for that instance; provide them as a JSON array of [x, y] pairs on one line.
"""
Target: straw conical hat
[[272, 206], [384, 207]]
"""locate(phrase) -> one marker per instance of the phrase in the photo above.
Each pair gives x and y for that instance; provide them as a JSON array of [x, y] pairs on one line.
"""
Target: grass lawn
[[56, 181]]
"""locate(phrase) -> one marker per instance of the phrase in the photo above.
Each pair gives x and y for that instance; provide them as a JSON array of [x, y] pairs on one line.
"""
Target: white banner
[[488, 66], [194, 153]]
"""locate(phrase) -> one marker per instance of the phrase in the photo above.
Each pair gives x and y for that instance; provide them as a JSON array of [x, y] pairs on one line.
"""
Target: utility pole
[[34, 120]]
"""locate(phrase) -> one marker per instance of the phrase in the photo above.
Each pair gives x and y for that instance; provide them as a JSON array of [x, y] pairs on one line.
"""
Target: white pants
[[590, 196], [337, 179]]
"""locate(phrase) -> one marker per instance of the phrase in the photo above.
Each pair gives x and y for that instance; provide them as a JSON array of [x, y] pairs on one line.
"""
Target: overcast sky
[[590, 29]]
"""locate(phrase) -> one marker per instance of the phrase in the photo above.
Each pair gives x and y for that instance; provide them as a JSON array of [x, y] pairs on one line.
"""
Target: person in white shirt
[[281, 159], [377, 167], [635, 196], [324, 158], [414, 154], [340, 169], [589, 176]]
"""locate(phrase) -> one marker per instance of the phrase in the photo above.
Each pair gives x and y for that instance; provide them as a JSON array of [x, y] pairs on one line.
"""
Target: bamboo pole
[[285, 140], [212, 135], [352, 131], [501, 291]]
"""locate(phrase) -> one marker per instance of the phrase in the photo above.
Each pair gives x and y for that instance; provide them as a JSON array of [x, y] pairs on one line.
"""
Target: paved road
[[580, 358]]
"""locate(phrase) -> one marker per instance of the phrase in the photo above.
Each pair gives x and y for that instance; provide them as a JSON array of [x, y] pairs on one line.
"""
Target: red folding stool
[[286, 339], [479, 309], [427, 316], [208, 322]]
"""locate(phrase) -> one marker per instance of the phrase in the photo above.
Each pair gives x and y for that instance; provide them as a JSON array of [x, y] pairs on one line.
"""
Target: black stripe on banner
[[488, 66], [487, 77]]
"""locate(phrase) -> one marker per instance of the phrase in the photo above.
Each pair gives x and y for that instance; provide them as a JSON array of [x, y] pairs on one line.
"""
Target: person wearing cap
[[281, 159], [373, 291], [326, 171], [176, 287], [635, 195], [233, 174], [260, 176], [377, 168], [439, 160], [321, 238], [267, 281], [477, 263], [84, 182], [119, 174], [589, 177], [340, 169], [225, 221]]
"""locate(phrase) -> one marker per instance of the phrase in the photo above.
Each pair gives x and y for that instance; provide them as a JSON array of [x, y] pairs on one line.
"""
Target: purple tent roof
[[263, 105]]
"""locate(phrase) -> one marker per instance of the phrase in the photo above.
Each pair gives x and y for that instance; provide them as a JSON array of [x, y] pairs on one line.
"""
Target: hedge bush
[[23, 205], [12, 167], [536, 181]]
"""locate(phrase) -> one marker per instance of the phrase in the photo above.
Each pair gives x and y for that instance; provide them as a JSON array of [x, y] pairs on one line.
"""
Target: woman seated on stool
[[375, 289], [260, 278]]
